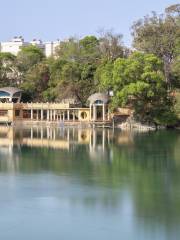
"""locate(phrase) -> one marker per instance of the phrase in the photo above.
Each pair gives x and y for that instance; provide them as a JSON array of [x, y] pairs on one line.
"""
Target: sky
[[59, 19]]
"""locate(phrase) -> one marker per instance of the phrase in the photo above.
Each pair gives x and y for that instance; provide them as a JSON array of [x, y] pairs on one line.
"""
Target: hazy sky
[[52, 19]]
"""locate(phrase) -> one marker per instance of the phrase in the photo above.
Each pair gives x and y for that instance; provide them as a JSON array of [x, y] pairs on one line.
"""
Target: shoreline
[[125, 126]]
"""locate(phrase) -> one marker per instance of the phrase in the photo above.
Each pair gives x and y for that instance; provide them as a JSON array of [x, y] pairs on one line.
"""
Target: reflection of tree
[[144, 165], [153, 174]]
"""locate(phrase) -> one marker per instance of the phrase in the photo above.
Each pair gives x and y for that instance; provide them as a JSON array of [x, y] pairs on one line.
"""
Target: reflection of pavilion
[[60, 138], [95, 142]]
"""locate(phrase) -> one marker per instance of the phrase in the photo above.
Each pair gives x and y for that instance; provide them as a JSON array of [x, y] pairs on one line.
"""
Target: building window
[[17, 113], [3, 112]]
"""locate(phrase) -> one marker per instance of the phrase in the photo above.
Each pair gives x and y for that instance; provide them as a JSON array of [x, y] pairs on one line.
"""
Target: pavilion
[[99, 110], [13, 110]]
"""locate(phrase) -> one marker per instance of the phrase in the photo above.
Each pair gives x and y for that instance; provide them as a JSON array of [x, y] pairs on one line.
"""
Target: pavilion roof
[[10, 90], [98, 96]]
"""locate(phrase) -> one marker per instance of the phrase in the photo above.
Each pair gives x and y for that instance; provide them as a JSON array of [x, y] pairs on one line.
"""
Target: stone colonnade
[[54, 115]]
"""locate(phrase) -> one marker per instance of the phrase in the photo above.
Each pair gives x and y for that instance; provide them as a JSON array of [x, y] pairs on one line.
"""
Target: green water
[[89, 184]]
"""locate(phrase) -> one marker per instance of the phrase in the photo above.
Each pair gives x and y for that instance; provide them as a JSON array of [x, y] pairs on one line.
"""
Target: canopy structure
[[98, 106], [98, 98], [10, 94]]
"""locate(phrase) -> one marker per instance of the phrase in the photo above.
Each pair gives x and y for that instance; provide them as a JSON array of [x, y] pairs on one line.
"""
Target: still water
[[89, 184]]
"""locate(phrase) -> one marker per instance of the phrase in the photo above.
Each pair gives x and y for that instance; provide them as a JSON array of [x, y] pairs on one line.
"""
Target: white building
[[50, 48], [15, 45]]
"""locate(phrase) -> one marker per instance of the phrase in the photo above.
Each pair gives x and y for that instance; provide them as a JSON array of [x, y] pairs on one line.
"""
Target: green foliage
[[89, 47], [159, 34], [36, 81], [68, 50], [28, 57], [104, 75], [177, 103], [7, 57], [83, 51], [70, 80], [138, 82], [111, 46], [9, 75]]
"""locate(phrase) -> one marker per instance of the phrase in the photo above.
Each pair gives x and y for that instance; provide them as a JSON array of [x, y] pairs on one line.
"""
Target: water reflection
[[131, 178]]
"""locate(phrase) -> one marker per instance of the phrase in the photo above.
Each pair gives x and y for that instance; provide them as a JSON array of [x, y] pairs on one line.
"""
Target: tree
[[36, 82], [28, 57], [70, 80], [9, 75], [111, 46], [82, 51], [68, 50], [89, 49], [158, 34], [104, 75], [138, 82], [173, 10]]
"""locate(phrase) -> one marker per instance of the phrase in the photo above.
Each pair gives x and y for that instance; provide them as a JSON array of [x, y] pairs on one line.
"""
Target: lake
[[65, 183]]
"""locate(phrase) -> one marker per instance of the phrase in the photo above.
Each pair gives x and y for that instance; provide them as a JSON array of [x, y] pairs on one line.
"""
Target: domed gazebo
[[99, 107], [10, 94]]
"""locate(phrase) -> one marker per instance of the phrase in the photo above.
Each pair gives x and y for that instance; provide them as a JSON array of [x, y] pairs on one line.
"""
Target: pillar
[[31, 114], [68, 115], [73, 116], [41, 114], [94, 112], [103, 111], [48, 115]]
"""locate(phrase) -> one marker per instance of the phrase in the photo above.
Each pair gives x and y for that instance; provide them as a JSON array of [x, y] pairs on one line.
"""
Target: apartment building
[[14, 46]]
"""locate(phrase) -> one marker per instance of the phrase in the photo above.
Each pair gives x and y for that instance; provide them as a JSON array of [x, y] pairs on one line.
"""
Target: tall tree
[[89, 48], [158, 34], [28, 57], [70, 80], [138, 82], [111, 45], [68, 50], [36, 82], [9, 74], [79, 50]]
